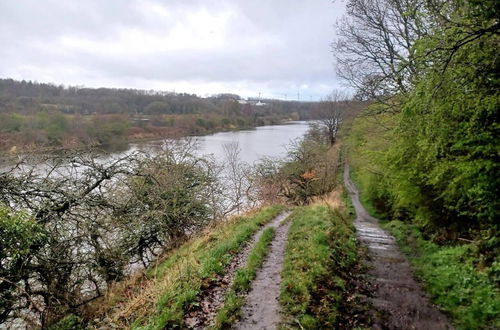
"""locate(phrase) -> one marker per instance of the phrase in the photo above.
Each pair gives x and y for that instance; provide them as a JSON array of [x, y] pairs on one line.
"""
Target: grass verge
[[234, 299], [320, 252], [470, 295], [158, 299]]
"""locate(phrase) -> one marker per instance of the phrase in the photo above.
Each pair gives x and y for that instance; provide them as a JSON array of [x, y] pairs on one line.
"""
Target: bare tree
[[95, 218], [374, 49], [238, 179], [330, 113], [65, 197]]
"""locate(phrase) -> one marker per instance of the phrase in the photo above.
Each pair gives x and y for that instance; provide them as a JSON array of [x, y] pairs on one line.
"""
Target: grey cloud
[[267, 44]]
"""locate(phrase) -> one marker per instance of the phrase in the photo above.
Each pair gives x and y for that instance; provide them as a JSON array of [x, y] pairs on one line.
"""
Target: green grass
[[234, 299], [450, 275], [320, 251], [178, 280]]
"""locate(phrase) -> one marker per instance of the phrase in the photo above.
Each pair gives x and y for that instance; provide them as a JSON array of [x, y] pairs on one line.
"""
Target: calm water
[[265, 141]]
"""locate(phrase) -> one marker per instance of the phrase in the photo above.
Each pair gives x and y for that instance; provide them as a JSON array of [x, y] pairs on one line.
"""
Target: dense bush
[[75, 225], [436, 156]]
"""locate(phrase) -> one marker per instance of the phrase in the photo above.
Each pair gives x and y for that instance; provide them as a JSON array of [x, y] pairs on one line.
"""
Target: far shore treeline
[[36, 114]]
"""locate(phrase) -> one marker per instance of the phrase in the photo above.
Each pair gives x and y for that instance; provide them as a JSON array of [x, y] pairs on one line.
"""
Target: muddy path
[[398, 300], [212, 296], [262, 308]]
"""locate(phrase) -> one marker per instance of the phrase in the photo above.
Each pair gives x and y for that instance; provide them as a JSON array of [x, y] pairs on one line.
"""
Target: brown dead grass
[[333, 199]]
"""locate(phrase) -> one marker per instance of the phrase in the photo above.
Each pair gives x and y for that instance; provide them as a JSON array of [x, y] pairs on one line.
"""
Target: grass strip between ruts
[[234, 299], [321, 249]]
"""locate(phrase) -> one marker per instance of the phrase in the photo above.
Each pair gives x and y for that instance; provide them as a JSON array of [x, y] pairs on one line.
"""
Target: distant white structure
[[257, 103]]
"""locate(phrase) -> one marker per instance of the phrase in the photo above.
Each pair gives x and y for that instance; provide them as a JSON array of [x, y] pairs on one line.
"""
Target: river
[[263, 141], [254, 144]]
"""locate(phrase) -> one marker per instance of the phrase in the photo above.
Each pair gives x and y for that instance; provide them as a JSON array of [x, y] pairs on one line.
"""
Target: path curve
[[262, 308], [399, 300]]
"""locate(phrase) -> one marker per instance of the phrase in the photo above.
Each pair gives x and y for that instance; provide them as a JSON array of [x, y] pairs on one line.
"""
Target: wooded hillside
[[37, 114]]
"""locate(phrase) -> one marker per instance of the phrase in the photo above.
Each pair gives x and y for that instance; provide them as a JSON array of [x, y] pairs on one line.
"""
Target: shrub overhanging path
[[399, 300]]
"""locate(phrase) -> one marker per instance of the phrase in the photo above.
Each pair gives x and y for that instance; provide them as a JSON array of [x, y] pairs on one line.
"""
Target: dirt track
[[212, 297], [262, 309], [399, 301]]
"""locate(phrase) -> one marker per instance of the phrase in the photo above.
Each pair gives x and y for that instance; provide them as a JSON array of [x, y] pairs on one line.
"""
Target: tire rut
[[202, 315], [398, 299], [262, 308]]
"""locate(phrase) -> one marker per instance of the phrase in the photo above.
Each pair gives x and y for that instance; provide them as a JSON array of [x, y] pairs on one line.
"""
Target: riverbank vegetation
[[425, 153], [34, 115], [161, 296], [133, 242], [76, 225]]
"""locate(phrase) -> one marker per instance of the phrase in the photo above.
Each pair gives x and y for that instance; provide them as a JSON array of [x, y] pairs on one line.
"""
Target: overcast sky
[[275, 47]]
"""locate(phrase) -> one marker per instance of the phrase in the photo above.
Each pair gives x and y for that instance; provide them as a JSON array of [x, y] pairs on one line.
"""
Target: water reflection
[[265, 141]]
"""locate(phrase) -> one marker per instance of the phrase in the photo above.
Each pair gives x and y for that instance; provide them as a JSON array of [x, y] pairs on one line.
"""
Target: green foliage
[[369, 139], [244, 276], [11, 122], [321, 249], [449, 133], [70, 322], [437, 160], [106, 130], [19, 232], [450, 274]]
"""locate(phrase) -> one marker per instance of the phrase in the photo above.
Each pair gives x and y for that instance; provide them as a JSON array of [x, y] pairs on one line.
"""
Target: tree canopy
[[434, 66]]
